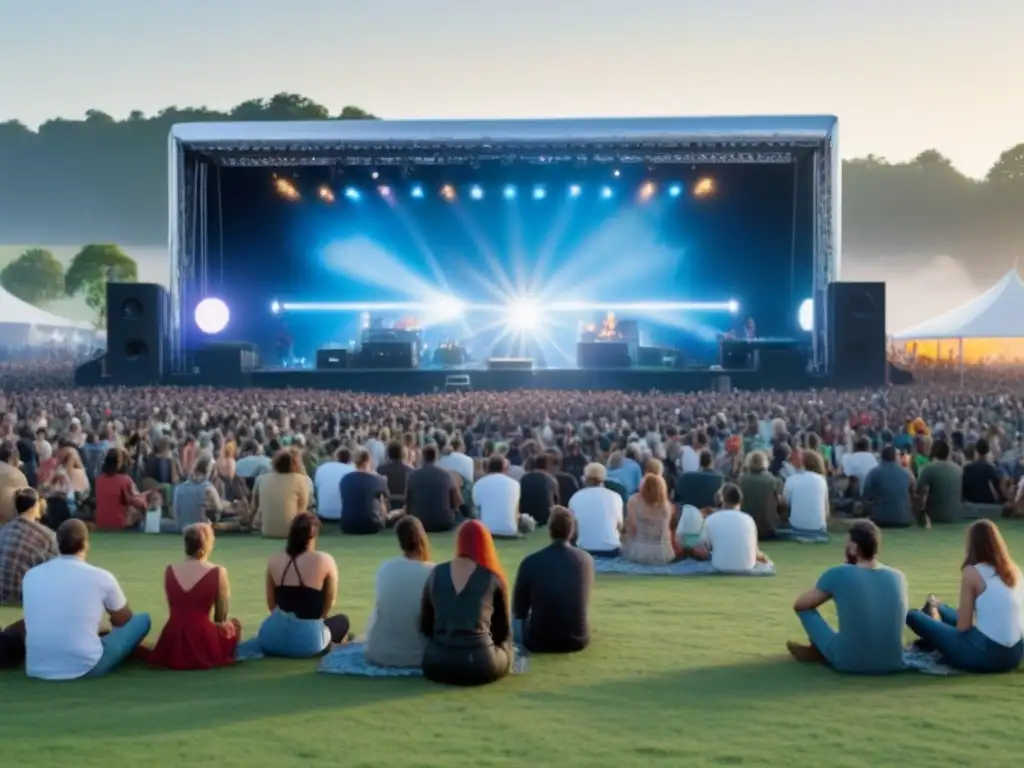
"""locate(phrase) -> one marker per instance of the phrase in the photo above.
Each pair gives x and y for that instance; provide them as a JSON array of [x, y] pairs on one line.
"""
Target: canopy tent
[[23, 324], [988, 326]]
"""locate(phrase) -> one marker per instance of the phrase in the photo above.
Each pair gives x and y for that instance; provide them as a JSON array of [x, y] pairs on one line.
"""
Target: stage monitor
[[393, 355], [603, 354], [510, 364]]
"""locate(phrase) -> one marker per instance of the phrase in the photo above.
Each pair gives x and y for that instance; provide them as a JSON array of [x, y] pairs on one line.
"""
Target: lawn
[[681, 671]]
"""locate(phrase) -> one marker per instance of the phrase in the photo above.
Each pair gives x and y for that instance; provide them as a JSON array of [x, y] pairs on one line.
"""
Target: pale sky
[[902, 75]]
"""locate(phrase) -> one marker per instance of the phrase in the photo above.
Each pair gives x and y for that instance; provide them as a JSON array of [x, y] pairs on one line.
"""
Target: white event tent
[[24, 324], [988, 326]]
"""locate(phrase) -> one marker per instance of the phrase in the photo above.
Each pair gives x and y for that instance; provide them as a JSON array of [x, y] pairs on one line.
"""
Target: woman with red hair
[[465, 613]]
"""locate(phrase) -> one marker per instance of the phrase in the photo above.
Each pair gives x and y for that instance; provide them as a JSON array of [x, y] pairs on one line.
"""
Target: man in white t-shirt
[[457, 461], [598, 513], [327, 482], [861, 461], [806, 495], [496, 499], [64, 601], [730, 536]]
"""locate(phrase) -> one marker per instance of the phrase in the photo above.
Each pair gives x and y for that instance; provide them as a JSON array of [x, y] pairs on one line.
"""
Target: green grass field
[[681, 671]]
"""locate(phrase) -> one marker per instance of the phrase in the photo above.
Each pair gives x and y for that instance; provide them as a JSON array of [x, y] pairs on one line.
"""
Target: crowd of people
[[649, 478]]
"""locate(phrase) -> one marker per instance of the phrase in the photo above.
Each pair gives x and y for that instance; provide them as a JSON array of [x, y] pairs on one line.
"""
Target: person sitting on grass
[[729, 538], [648, 532], [364, 498], [598, 513], [301, 588], [24, 544], [65, 600], [496, 498], [984, 634], [551, 599], [393, 638], [12, 645], [805, 493], [119, 505], [194, 588], [197, 501], [280, 496], [465, 614], [871, 603]]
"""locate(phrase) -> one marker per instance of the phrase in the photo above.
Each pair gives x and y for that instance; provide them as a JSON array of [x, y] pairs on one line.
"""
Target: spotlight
[[375, 175], [704, 187], [647, 190], [417, 192], [606, 193], [575, 190], [675, 190], [326, 194], [286, 189], [539, 192], [734, 306], [509, 192], [805, 315], [524, 315], [476, 192], [616, 173], [384, 190], [352, 194], [212, 316], [448, 192], [275, 307]]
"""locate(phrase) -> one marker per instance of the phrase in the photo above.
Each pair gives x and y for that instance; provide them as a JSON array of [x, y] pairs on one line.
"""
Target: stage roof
[[691, 139], [998, 313]]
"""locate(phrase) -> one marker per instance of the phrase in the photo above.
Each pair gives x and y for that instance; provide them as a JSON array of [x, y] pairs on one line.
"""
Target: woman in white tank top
[[986, 632]]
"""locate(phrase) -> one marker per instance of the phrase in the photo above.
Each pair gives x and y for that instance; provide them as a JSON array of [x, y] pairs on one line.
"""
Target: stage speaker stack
[[857, 334], [603, 354], [393, 355], [331, 359], [510, 364], [225, 363], [138, 323]]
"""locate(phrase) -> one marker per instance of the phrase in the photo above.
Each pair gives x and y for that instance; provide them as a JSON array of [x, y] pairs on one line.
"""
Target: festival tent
[[24, 324], [988, 327]]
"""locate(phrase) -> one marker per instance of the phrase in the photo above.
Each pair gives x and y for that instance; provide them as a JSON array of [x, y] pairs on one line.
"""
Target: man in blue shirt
[[871, 603]]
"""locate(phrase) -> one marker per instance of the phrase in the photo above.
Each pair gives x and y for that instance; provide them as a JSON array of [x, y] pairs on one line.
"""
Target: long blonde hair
[[986, 546]]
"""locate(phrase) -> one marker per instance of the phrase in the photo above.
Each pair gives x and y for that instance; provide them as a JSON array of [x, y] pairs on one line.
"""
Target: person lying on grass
[[871, 602]]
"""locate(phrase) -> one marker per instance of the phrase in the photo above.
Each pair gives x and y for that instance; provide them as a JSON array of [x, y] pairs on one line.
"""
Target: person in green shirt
[[939, 485]]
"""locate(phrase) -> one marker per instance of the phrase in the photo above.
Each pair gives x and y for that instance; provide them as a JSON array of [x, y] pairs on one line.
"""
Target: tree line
[[100, 179]]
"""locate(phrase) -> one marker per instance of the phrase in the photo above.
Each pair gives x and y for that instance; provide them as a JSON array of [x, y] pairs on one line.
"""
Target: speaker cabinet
[[510, 364], [138, 321], [857, 334], [603, 354], [395, 355]]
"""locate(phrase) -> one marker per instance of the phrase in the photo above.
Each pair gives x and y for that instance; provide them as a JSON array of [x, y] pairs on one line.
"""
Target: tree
[[35, 276], [1009, 168], [92, 268]]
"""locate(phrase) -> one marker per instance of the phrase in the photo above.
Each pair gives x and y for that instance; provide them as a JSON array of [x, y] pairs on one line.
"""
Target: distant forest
[[104, 180]]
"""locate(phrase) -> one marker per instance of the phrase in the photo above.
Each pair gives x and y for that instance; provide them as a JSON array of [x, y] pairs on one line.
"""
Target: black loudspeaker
[[138, 321], [857, 333], [510, 364], [399, 355], [603, 354], [331, 359]]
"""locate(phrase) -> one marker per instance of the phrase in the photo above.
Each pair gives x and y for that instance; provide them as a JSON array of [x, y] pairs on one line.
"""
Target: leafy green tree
[[92, 268], [35, 276]]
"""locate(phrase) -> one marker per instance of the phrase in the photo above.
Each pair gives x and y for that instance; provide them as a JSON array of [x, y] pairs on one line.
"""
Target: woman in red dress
[[194, 588]]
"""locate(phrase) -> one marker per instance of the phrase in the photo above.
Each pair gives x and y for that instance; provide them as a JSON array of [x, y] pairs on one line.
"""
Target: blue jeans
[[283, 634], [121, 643], [970, 651], [818, 632]]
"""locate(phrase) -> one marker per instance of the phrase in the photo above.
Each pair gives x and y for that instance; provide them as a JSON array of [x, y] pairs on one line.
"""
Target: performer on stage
[[750, 329]]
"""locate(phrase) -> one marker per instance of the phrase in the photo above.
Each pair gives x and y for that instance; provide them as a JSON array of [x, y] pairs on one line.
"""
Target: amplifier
[[510, 364], [331, 359], [397, 355], [603, 354]]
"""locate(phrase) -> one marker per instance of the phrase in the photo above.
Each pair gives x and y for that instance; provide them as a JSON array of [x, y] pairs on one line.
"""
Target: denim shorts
[[283, 634]]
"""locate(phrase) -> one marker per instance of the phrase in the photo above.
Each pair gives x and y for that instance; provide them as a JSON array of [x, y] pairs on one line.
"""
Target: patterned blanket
[[802, 537], [351, 660], [678, 568], [928, 663]]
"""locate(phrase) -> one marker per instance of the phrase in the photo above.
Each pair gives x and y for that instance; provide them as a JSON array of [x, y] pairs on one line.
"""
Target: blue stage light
[[606, 193], [417, 191], [675, 190], [352, 193], [476, 192], [509, 192], [539, 192], [575, 190]]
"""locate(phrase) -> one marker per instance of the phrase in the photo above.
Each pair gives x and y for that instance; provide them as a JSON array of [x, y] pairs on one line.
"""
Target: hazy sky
[[903, 75]]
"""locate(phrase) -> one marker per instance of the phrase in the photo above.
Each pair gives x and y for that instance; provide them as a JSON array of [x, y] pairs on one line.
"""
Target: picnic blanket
[[930, 663], [802, 537], [678, 568], [351, 660]]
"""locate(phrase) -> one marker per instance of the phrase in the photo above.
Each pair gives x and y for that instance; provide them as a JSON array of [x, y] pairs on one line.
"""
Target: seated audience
[[981, 481], [730, 536], [465, 614], [552, 592], [281, 495], [327, 482], [496, 499], [871, 604], [119, 505], [194, 588], [648, 531], [301, 588], [689, 530], [939, 486], [431, 494], [626, 471], [11, 479], [254, 462], [24, 544], [984, 633], [760, 491], [393, 638], [806, 494], [858, 462], [364, 498], [65, 599], [567, 482], [889, 490], [700, 488], [196, 500], [396, 471], [12, 645], [598, 513], [538, 490]]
